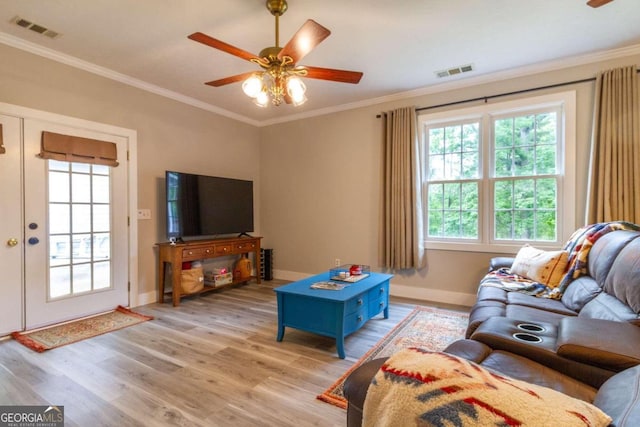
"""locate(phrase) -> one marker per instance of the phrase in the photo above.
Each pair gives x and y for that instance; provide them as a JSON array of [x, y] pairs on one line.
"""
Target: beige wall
[[321, 180], [171, 135]]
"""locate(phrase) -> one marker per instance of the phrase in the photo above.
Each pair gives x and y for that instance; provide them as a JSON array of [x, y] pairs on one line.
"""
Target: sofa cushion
[[623, 280], [546, 304], [415, 387], [605, 251], [580, 292], [546, 267], [607, 307]]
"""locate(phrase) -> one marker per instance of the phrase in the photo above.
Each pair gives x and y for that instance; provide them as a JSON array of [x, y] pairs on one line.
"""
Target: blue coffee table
[[332, 313]]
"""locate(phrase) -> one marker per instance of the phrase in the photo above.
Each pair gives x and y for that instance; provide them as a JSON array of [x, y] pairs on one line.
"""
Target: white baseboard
[[404, 291], [144, 299]]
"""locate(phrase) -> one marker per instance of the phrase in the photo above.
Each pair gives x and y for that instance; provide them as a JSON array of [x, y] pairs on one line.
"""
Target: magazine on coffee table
[[329, 286]]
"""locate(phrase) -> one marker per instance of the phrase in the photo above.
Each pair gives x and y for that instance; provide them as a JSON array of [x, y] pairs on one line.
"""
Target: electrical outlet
[[337, 262], [144, 213]]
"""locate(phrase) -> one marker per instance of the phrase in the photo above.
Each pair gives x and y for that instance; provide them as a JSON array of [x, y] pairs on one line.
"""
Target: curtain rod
[[516, 92]]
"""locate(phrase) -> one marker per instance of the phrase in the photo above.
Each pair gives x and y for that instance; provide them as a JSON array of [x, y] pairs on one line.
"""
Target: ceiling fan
[[598, 3], [280, 75]]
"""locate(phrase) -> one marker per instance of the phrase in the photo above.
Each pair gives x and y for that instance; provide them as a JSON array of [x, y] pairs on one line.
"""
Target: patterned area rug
[[425, 327], [67, 333]]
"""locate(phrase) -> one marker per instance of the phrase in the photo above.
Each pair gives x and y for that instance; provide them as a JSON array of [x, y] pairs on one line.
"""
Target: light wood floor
[[212, 361]]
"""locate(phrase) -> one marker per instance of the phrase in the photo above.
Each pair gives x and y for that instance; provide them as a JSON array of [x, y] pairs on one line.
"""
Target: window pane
[[545, 159], [101, 218], [59, 283], [436, 167], [58, 187], [453, 166], [81, 167], [101, 275], [81, 248], [101, 246], [100, 189], [470, 196], [503, 160], [523, 161], [452, 224], [453, 139], [435, 222], [503, 225], [81, 278], [470, 225], [503, 133], [59, 250], [436, 141], [523, 228], [546, 193], [524, 131], [523, 194], [470, 165], [100, 169], [503, 195], [81, 218], [59, 218], [471, 137], [436, 195], [546, 226], [452, 196], [80, 188]]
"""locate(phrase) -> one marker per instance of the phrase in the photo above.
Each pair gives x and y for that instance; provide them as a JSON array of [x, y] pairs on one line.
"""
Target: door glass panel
[[79, 203]]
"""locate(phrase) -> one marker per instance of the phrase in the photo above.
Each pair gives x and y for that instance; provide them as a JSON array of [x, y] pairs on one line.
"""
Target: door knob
[[12, 242], [33, 240]]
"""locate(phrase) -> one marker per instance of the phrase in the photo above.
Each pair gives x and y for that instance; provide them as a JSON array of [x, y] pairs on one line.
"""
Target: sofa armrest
[[619, 398], [500, 262], [605, 343]]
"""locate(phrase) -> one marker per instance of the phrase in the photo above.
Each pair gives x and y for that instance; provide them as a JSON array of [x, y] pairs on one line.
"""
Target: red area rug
[[426, 327], [77, 330]]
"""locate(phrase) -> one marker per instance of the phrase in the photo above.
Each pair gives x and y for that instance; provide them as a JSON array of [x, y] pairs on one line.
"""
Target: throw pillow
[[422, 388], [546, 267]]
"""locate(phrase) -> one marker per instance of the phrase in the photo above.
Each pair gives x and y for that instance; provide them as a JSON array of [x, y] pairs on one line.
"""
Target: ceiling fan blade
[[598, 3], [220, 45], [231, 79], [343, 76], [304, 40]]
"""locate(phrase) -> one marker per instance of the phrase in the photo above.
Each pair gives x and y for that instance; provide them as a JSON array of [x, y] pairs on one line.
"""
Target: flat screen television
[[207, 206]]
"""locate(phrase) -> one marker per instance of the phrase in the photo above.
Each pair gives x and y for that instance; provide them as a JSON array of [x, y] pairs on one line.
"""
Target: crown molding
[[547, 66], [72, 61]]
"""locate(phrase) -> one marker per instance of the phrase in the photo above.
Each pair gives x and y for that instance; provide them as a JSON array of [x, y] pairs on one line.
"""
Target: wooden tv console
[[176, 253]]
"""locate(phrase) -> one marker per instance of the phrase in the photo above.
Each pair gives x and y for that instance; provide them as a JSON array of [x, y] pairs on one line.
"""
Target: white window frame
[[566, 165]]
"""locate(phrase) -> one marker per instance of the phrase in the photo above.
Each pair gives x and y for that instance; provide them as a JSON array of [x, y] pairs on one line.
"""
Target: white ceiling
[[399, 45]]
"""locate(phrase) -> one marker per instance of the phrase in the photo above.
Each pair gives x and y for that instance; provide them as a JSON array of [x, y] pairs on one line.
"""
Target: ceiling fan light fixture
[[262, 100], [253, 86], [296, 90]]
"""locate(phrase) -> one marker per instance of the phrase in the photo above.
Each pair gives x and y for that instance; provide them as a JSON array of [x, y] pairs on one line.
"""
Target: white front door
[[76, 233], [11, 232]]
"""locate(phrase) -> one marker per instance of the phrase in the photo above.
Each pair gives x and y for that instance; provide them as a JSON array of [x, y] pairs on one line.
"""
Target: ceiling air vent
[[454, 71], [21, 22]]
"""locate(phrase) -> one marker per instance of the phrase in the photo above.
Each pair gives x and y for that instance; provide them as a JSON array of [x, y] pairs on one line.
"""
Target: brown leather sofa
[[619, 396], [586, 345], [611, 291]]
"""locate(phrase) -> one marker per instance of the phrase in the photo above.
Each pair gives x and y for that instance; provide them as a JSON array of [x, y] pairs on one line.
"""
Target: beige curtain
[[614, 184], [402, 237], [75, 149]]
